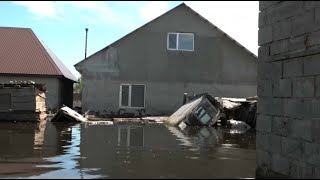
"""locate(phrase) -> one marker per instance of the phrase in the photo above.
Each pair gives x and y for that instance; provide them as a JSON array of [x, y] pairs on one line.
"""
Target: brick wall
[[288, 123]]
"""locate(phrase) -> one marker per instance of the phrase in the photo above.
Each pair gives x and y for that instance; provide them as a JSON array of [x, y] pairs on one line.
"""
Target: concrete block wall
[[288, 123]]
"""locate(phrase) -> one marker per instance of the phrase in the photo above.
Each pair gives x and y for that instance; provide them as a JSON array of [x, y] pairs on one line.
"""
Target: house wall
[[53, 84], [288, 138], [217, 66], [66, 91]]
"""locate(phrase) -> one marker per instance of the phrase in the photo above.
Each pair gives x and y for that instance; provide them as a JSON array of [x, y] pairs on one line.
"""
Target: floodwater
[[33, 150]]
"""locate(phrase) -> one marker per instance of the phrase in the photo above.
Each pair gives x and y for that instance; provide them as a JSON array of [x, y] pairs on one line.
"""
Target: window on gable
[[180, 41], [132, 95]]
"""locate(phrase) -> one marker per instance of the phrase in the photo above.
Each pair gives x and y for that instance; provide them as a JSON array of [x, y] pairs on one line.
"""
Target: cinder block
[[314, 129], [293, 68], [312, 153], [263, 141], [280, 164], [282, 88], [294, 108], [265, 35], [279, 47], [286, 9], [304, 23], [298, 44], [264, 123], [314, 38], [307, 171], [308, 5], [263, 53], [270, 70], [300, 129], [318, 86], [263, 158], [311, 65], [264, 88], [280, 126], [317, 172], [293, 169], [281, 30], [275, 144], [266, 4], [262, 19], [262, 105], [276, 70], [317, 16], [276, 106], [292, 148], [311, 108], [304, 87]]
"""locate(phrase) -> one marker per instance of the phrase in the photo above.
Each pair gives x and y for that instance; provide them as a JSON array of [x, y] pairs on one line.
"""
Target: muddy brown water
[[126, 150]]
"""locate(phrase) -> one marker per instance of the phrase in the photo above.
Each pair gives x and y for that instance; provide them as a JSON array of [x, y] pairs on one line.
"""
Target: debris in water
[[65, 114]]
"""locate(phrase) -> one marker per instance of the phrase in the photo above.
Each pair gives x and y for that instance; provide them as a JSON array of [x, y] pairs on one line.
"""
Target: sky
[[61, 24]]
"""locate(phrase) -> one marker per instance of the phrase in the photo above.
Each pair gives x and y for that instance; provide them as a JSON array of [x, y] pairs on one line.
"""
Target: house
[[149, 70], [22, 101], [25, 57]]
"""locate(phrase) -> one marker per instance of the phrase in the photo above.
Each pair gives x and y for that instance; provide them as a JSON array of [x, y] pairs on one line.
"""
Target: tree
[[78, 86]]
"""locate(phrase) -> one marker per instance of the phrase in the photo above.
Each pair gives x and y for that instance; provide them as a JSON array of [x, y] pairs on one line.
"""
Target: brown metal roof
[[22, 52]]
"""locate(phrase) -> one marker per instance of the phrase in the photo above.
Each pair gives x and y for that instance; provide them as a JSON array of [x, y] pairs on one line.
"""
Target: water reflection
[[49, 150]]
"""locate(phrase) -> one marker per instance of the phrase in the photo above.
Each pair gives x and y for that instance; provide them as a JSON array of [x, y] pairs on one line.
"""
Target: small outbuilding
[[22, 101]]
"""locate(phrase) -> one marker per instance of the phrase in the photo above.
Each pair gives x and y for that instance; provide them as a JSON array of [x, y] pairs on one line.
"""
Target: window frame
[[129, 94], [177, 43]]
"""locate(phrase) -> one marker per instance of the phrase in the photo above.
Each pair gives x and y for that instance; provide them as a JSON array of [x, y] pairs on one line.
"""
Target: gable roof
[[22, 52], [180, 5]]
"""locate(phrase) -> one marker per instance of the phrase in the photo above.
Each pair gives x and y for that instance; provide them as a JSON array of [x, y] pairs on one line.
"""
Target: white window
[[132, 95], [180, 41]]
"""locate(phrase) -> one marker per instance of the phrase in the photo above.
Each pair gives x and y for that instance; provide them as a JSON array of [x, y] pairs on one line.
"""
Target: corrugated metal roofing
[[22, 52]]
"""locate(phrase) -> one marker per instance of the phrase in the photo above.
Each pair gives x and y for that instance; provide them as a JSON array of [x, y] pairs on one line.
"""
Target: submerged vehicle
[[202, 110], [66, 114]]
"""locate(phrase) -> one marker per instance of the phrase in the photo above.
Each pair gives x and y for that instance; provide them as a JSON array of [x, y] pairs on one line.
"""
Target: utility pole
[[85, 51]]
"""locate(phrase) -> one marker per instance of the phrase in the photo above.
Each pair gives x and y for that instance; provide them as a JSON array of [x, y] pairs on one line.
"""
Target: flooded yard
[[124, 150]]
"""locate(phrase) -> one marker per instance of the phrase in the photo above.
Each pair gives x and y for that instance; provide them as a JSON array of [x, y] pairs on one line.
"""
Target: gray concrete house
[[24, 57], [151, 67]]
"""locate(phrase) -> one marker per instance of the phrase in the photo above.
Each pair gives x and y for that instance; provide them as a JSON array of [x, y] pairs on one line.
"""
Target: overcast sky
[[61, 25]]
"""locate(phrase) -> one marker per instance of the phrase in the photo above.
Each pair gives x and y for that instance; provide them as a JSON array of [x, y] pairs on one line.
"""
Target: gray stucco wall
[[53, 94], [217, 65], [288, 121]]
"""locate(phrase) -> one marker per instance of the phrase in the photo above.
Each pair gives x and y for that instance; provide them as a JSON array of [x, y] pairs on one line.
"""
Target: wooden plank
[[19, 117], [5, 102], [18, 92], [24, 106], [23, 99]]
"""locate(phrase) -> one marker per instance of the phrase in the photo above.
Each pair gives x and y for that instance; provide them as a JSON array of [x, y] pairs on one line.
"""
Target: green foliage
[[78, 86]]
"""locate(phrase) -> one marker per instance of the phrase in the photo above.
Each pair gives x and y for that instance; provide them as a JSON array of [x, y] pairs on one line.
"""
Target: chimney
[[85, 51]]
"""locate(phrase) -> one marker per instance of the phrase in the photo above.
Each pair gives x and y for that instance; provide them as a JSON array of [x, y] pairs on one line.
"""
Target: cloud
[[239, 19], [41, 9], [91, 12], [153, 9]]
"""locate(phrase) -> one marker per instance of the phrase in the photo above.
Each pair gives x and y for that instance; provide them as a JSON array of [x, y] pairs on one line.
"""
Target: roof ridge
[[8, 27], [224, 33], [37, 39], [56, 61], [181, 4]]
